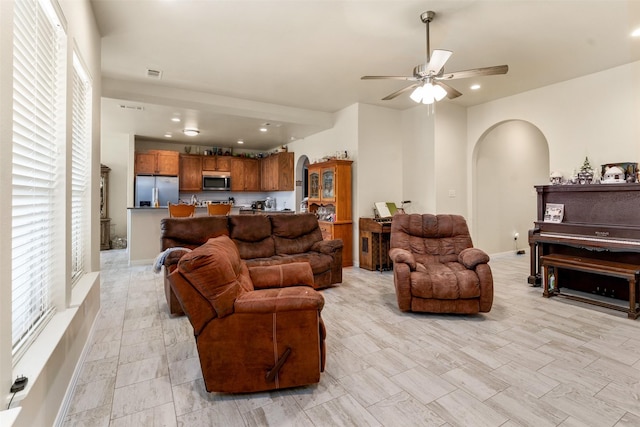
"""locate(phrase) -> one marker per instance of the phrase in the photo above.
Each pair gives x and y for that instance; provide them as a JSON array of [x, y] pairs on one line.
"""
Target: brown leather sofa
[[256, 328], [435, 266], [261, 240]]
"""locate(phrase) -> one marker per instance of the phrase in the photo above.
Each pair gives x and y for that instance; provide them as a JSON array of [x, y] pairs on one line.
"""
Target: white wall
[[418, 160], [509, 160], [576, 120], [379, 168], [450, 166]]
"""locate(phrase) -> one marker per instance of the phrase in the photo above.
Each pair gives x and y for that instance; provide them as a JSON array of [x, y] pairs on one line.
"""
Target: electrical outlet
[[19, 384]]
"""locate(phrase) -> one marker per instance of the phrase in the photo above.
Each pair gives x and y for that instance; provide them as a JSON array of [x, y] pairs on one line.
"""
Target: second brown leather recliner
[[256, 329], [436, 269]]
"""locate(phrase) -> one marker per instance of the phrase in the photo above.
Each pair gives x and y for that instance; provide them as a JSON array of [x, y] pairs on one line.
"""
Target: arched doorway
[[508, 160], [302, 173]]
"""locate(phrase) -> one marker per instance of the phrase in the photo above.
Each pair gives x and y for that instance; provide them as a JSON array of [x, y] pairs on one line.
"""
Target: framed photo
[[553, 212]]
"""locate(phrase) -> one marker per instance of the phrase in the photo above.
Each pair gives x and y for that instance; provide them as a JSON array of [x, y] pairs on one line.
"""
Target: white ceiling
[[230, 66]]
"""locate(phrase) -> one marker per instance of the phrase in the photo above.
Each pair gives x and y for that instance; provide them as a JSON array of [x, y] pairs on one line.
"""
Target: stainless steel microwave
[[216, 181]]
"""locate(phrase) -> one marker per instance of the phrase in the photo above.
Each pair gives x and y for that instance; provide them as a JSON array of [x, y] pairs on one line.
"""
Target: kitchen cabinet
[[191, 172], [157, 162], [245, 174], [216, 163], [277, 172], [329, 197]]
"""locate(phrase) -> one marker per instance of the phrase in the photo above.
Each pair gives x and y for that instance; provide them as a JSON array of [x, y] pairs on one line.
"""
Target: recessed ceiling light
[[240, 141], [168, 135], [263, 129], [636, 33], [475, 87], [175, 119], [191, 132]]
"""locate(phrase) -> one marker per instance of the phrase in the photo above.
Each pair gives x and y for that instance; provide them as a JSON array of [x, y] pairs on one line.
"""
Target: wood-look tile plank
[[141, 396], [343, 411], [459, 408], [158, 416], [580, 404]]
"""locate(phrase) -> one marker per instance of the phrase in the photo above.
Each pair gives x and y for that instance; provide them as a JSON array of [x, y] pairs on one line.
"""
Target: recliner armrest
[[294, 298], [471, 257], [327, 246], [404, 256], [282, 275], [173, 258]]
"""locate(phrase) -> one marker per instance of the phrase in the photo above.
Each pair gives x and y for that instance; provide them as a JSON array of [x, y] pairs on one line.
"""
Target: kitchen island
[[143, 229]]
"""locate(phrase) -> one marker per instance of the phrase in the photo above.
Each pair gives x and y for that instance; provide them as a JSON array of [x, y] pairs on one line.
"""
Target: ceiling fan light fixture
[[428, 93], [416, 95], [439, 93], [428, 96]]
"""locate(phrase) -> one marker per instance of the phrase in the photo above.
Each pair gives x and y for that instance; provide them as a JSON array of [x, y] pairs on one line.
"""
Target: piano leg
[[633, 306], [534, 278]]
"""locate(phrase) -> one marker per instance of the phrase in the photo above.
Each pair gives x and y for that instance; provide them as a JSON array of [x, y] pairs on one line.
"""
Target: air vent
[[132, 107], [154, 74]]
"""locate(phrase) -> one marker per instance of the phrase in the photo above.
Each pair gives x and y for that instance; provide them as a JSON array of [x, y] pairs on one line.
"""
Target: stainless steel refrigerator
[[165, 188]]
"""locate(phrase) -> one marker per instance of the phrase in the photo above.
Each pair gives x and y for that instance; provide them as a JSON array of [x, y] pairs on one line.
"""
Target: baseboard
[[68, 395], [508, 254]]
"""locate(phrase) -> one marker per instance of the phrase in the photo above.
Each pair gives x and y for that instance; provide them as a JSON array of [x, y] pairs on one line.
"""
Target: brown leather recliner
[[256, 328], [435, 266]]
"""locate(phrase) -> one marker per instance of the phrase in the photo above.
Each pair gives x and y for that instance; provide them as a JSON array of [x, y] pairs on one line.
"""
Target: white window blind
[[80, 149], [38, 121]]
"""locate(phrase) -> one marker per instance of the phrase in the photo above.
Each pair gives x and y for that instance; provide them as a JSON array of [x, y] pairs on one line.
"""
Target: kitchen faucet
[[194, 200]]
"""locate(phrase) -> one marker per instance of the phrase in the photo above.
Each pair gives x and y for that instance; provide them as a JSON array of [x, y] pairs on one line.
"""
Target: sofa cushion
[[319, 262], [252, 235], [217, 272], [294, 234]]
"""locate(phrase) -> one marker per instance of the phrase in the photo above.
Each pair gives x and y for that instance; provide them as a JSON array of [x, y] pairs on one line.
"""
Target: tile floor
[[529, 362]]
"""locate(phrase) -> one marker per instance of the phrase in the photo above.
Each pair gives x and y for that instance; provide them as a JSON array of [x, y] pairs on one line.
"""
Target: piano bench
[[630, 272]]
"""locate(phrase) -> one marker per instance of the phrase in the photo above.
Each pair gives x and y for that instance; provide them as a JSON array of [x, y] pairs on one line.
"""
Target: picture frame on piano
[[553, 212]]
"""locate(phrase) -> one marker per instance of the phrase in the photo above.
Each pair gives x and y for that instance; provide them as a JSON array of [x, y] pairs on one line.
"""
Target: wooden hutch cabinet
[[105, 221], [330, 198]]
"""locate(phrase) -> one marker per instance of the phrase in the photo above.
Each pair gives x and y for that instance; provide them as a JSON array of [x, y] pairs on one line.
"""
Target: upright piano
[[601, 221]]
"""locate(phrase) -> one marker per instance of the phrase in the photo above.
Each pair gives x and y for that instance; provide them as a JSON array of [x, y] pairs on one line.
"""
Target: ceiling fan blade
[[475, 72], [399, 92], [438, 58], [409, 78], [451, 92]]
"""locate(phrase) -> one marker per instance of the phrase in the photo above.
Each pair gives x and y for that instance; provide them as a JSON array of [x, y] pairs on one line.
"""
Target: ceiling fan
[[430, 77]]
